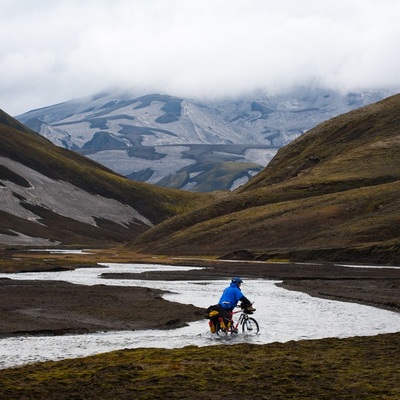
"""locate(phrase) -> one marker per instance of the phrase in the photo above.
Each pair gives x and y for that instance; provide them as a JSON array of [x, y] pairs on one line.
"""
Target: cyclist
[[229, 299]]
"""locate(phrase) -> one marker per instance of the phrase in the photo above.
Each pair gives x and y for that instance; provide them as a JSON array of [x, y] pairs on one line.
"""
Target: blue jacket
[[231, 296]]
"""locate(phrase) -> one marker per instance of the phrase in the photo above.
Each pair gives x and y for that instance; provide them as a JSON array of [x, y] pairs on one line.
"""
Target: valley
[[326, 200]]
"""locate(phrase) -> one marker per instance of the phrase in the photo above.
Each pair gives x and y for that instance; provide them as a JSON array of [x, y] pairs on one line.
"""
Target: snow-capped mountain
[[184, 143]]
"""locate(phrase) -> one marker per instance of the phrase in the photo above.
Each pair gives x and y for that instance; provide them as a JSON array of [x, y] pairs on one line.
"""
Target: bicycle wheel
[[250, 326]]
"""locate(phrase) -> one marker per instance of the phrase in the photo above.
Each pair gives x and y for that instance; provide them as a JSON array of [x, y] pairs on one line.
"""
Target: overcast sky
[[56, 50]]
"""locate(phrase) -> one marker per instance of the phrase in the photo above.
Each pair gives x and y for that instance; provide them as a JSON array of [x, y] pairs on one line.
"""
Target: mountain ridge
[[175, 142]]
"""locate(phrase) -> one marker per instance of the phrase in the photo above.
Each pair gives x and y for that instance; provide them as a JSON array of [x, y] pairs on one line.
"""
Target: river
[[282, 315]]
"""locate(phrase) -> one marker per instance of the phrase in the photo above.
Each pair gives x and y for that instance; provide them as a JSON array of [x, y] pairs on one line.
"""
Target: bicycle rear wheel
[[250, 326]]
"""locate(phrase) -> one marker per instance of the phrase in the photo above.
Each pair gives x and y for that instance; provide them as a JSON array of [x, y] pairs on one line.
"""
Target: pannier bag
[[212, 314]]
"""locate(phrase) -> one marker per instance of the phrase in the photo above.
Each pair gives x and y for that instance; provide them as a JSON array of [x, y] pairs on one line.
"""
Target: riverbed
[[282, 315]]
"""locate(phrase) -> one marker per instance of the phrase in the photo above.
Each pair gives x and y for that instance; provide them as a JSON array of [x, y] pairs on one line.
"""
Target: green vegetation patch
[[354, 368]]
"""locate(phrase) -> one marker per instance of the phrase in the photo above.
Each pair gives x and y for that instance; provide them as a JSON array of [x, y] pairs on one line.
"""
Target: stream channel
[[283, 315]]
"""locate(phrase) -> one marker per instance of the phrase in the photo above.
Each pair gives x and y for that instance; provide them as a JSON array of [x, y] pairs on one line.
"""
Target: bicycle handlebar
[[244, 309]]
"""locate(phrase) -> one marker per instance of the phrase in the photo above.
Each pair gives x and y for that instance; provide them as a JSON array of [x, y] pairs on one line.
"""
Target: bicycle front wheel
[[250, 326]]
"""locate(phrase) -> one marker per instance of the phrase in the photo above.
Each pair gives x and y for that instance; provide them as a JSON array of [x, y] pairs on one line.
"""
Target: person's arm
[[245, 301]]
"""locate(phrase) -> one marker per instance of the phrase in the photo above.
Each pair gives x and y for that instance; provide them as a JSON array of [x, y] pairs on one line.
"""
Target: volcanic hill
[[331, 194], [51, 195]]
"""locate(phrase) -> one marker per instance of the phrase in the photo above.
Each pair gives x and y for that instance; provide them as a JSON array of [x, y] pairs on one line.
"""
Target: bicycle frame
[[244, 321], [242, 316]]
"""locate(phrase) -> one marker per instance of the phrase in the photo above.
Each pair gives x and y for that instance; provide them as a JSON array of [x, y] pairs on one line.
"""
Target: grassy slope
[[333, 189], [341, 150], [223, 174], [213, 176], [20, 144], [349, 369]]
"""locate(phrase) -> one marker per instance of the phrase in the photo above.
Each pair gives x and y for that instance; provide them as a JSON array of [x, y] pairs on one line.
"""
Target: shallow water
[[282, 315]]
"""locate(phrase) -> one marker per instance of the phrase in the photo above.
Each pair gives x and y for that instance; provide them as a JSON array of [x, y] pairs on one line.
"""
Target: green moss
[[355, 368]]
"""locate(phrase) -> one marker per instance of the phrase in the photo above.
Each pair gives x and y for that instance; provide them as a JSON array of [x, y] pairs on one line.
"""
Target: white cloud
[[52, 51]]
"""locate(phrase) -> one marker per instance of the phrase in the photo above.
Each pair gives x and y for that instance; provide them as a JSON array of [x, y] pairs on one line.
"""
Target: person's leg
[[226, 317]]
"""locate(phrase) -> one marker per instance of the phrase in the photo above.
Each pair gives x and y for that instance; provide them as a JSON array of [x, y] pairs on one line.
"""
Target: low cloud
[[54, 51]]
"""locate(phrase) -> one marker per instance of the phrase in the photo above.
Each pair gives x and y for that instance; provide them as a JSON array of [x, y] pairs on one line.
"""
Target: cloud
[[54, 51]]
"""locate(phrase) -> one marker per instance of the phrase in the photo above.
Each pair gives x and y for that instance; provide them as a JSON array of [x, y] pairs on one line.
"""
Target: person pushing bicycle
[[230, 298]]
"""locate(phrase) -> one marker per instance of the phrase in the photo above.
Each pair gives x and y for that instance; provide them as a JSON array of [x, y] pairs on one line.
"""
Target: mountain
[[176, 142], [51, 195], [331, 194]]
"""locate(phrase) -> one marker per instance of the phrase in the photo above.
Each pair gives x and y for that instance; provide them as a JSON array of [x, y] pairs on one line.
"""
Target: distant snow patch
[[260, 156], [239, 182], [119, 160]]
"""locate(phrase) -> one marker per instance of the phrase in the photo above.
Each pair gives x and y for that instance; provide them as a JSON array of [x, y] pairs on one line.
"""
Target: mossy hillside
[[349, 369], [345, 216], [352, 218], [332, 188], [371, 131], [210, 175], [31, 149], [223, 174]]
